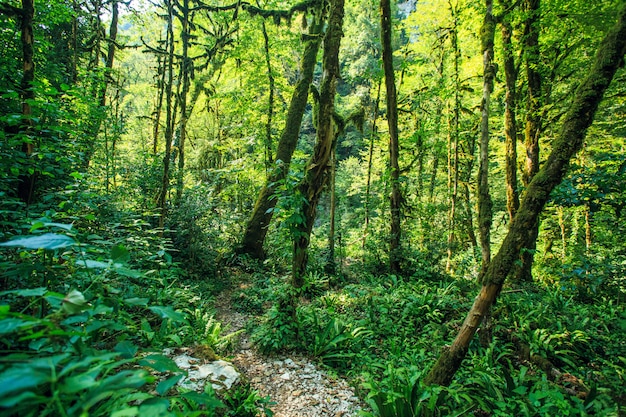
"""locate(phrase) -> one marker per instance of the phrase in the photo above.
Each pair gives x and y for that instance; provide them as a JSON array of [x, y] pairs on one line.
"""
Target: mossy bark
[[317, 169], [568, 142], [256, 228], [394, 147], [484, 198]]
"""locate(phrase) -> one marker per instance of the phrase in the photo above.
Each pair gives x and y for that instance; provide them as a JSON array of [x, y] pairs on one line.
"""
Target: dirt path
[[297, 386]]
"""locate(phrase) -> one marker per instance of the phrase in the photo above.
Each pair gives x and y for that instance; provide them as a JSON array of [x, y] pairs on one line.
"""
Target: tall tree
[[533, 123], [316, 170], [484, 198], [25, 15], [169, 111], [569, 141], [510, 123], [256, 228], [394, 147]]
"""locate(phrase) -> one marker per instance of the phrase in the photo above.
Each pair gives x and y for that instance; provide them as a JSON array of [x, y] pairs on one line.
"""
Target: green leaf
[[155, 407], [74, 302], [10, 325], [18, 379], [127, 272], [136, 301], [160, 363], [47, 241], [167, 313], [127, 412], [119, 254], [127, 349], [90, 264], [164, 386], [29, 292], [40, 224]]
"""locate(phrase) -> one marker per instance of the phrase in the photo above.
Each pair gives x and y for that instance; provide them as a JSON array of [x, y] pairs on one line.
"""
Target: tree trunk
[[568, 142], [186, 69], [169, 123], [316, 173], [330, 262], [394, 147], [269, 159], [368, 186], [533, 126], [510, 124], [161, 73], [256, 229], [484, 198], [453, 146], [26, 183]]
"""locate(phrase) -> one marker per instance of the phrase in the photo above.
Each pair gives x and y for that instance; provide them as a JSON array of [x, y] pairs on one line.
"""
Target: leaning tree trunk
[[533, 127], [569, 141], [368, 186], [484, 198], [269, 160], [186, 71], [256, 228], [394, 148], [316, 171]]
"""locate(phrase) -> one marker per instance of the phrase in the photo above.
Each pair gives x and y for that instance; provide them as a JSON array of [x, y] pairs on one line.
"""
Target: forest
[[419, 201]]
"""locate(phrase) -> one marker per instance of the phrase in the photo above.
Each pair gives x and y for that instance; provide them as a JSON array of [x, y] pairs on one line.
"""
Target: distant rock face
[[221, 374]]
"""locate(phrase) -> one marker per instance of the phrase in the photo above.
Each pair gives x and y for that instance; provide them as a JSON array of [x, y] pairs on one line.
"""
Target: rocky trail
[[297, 386]]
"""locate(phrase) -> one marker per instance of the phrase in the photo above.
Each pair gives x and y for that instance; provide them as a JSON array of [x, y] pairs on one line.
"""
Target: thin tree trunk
[[568, 142], [316, 173], [186, 69], [26, 183], [484, 198], [161, 74], [510, 124], [533, 125], [368, 186], [453, 153], [169, 123], [256, 228], [330, 262], [394, 147], [269, 159]]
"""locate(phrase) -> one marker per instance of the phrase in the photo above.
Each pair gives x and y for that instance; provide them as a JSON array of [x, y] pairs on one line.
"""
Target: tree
[[569, 141], [394, 147], [484, 198], [256, 227], [316, 170]]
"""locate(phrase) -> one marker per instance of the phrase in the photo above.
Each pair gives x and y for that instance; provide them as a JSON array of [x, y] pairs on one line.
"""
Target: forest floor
[[295, 383]]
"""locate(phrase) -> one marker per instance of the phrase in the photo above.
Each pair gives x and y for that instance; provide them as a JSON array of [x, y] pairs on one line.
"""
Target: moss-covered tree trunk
[[26, 183], [484, 198], [256, 228], [568, 142], [394, 147], [316, 171], [533, 126], [510, 123]]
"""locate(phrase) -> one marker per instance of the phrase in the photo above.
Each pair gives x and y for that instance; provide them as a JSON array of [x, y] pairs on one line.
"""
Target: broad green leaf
[[30, 292], [91, 264], [27, 396], [164, 386], [127, 272], [80, 382], [136, 301], [47, 241], [160, 363], [10, 325], [167, 313], [119, 254], [208, 399], [127, 412], [74, 302], [155, 407], [40, 224], [20, 378], [127, 349]]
